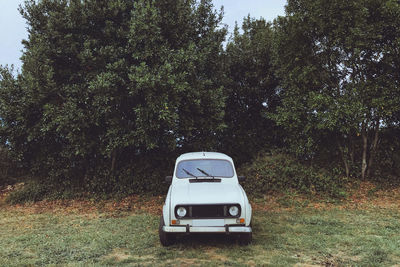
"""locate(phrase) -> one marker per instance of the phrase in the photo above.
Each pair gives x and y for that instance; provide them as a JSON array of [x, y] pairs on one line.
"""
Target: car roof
[[203, 155]]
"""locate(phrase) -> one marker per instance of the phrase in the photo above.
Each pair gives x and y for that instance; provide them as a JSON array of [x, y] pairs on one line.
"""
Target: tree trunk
[[344, 158], [364, 152], [373, 148], [352, 149], [113, 159]]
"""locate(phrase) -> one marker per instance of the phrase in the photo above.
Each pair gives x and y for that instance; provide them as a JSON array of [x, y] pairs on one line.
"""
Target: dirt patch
[[187, 262], [213, 255], [118, 255], [306, 265], [122, 254], [365, 196], [128, 205]]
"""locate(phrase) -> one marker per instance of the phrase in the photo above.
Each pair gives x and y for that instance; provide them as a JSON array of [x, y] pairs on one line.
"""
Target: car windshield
[[199, 168]]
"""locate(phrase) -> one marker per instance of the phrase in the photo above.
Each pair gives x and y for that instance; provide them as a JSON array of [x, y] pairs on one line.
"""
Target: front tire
[[166, 239], [245, 238]]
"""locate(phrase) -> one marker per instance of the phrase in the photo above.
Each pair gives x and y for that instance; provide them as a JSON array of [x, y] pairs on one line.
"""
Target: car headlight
[[233, 210], [181, 211]]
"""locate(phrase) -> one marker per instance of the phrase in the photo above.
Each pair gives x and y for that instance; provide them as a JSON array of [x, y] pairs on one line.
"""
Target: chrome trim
[[204, 229]]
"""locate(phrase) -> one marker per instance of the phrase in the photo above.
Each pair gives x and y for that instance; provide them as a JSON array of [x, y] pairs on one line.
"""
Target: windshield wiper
[[188, 173], [203, 172]]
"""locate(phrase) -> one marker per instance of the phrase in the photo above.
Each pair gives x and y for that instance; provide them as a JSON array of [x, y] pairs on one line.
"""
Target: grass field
[[287, 231]]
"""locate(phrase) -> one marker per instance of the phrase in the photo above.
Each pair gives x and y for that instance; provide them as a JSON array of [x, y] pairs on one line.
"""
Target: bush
[[10, 171], [31, 191], [278, 172], [386, 168], [144, 175]]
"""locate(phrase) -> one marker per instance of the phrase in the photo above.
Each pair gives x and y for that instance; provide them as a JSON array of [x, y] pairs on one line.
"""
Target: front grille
[[207, 211]]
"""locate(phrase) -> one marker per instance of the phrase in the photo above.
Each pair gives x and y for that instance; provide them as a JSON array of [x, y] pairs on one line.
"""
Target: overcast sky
[[13, 27]]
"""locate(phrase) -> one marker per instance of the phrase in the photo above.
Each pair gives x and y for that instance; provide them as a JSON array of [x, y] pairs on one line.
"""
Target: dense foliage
[[110, 92], [108, 89], [276, 171], [339, 67], [251, 89]]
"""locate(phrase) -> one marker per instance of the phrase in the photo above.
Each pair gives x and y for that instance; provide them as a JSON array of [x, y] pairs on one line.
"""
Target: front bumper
[[207, 229]]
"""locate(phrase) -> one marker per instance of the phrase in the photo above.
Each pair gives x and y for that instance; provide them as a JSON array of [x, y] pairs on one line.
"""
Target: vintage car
[[205, 197]]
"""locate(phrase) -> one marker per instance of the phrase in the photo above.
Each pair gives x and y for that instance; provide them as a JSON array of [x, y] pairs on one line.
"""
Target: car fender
[[167, 207], [247, 207]]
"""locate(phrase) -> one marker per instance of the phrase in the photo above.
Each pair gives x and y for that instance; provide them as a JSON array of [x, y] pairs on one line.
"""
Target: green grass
[[334, 237]]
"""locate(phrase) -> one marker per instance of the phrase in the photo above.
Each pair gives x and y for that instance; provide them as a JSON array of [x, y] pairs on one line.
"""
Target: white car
[[205, 197]]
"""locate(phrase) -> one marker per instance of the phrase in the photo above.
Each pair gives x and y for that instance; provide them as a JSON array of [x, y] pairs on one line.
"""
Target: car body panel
[[208, 229], [206, 193], [225, 191]]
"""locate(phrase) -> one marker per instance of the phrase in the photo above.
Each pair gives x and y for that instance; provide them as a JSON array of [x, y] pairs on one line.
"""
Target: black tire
[[166, 239], [245, 238]]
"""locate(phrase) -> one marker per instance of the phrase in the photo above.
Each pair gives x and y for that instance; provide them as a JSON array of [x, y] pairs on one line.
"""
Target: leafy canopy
[[106, 82]]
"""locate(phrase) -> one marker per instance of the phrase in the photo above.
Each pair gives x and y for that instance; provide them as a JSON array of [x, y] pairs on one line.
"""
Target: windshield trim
[[202, 177]]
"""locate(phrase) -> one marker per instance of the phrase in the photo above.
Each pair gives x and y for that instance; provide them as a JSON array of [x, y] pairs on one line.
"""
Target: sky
[[13, 26], [236, 10]]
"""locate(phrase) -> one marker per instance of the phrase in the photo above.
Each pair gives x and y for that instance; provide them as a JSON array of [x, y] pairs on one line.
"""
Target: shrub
[[31, 191], [144, 175], [37, 189], [278, 172], [10, 171]]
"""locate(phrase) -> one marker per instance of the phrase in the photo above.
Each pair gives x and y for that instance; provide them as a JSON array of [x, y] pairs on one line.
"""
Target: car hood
[[206, 193]]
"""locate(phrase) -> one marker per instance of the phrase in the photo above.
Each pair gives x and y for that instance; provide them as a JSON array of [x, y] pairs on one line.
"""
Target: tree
[[338, 61], [108, 89], [251, 89], [177, 48]]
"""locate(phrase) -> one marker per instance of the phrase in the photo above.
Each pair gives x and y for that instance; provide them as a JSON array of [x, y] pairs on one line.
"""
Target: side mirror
[[168, 179], [241, 178]]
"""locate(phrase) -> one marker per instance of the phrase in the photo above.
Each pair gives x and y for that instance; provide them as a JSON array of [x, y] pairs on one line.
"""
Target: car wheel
[[166, 239], [245, 238]]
